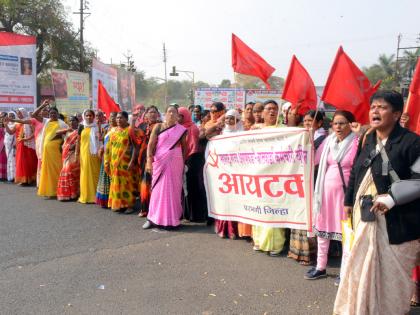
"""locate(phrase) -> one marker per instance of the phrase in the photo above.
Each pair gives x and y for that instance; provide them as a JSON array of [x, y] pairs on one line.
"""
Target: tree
[[57, 42], [250, 82], [225, 83], [383, 70], [409, 63]]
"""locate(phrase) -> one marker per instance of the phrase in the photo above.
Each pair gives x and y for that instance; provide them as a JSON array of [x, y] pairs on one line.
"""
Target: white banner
[[17, 71], [261, 177], [108, 76]]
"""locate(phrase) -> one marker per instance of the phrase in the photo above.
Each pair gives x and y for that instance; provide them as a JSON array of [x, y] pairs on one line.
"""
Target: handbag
[[402, 191]]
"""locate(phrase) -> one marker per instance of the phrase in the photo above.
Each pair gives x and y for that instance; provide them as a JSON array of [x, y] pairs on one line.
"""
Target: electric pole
[[166, 75], [403, 81], [130, 62], [82, 13], [397, 60]]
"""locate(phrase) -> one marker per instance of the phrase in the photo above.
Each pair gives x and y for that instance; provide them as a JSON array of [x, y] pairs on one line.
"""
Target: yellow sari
[[51, 161], [268, 239], [89, 169]]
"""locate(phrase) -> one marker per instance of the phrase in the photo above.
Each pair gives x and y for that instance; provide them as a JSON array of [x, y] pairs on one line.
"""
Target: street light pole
[[190, 74]]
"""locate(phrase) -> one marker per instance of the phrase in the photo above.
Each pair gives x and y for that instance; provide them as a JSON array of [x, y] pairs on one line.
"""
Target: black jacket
[[403, 149]]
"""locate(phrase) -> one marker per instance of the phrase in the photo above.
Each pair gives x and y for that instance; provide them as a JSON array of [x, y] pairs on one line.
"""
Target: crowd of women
[[154, 165]]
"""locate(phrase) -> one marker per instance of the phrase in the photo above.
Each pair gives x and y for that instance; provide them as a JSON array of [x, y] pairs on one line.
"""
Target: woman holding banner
[[233, 124], [335, 157], [268, 239], [166, 154], [90, 162], [303, 248]]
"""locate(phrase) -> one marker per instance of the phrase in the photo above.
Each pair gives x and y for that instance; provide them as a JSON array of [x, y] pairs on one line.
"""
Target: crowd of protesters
[[152, 163]]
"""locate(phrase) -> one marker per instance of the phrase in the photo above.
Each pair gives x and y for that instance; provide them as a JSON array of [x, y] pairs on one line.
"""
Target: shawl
[[338, 151], [214, 119], [236, 127], [192, 131], [94, 134]]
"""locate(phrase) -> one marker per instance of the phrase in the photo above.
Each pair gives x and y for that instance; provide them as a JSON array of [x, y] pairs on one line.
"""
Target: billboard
[[230, 97], [126, 89], [71, 90], [262, 95], [108, 76], [17, 71]]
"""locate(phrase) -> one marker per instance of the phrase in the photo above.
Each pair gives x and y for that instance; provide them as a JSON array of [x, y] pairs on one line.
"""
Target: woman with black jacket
[[386, 241]]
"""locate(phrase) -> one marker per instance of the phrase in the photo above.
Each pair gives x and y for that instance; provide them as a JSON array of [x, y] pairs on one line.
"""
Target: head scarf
[[94, 134], [187, 121], [192, 130], [236, 127]]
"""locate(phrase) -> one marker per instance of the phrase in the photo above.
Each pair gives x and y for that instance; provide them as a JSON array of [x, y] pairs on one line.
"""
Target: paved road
[[68, 258]]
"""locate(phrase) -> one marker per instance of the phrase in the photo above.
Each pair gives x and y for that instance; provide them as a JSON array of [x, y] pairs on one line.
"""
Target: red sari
[[68, 183], [26, 159]]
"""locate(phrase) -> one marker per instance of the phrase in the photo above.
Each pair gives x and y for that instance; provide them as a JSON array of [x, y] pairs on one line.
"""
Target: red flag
[[247, 61], [412, 106], [299, 89], [348, 88], [105, 102]]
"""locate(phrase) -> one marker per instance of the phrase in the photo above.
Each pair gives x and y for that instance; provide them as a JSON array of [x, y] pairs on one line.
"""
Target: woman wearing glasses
[[335, 157]]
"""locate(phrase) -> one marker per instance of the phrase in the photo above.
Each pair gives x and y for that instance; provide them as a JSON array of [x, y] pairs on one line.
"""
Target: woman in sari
[[233, 123], [335, 157], [51, 154], [90, 163], [102, 191], [303, 248], [151, 118], [120, 165], [68, 183], [165, 160], [245, 230], [3, 156], [26, 160], [383, 255], [195, 194], [10, 146], [268, 239]]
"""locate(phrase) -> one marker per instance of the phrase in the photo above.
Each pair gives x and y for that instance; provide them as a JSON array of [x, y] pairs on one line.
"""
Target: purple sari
[[165, 207]]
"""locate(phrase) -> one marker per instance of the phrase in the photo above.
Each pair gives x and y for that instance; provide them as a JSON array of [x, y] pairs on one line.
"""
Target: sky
[[197, 33]]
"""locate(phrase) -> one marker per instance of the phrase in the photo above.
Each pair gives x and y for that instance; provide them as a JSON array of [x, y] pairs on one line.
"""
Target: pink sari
[[165, 207]]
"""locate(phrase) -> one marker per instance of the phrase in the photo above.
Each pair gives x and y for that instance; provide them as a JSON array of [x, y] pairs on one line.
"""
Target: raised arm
[[37, 112]]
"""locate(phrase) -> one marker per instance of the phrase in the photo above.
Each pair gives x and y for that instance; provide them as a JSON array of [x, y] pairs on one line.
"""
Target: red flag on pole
[[348, 88], [105, 102], [412, 107], [247, 61], [299, 89]]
